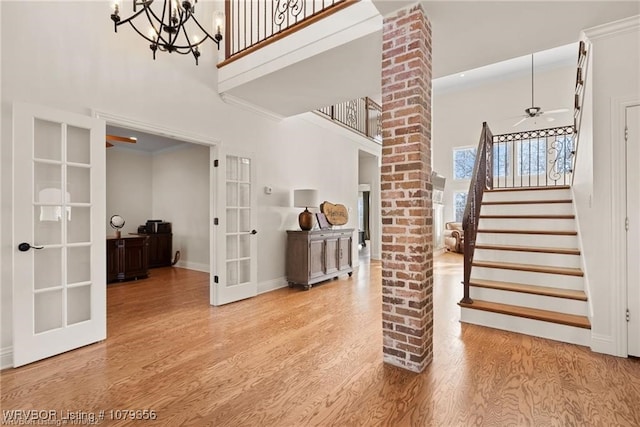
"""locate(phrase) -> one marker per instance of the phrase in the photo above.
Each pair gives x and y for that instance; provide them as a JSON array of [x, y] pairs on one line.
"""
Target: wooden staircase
[[527, 273]]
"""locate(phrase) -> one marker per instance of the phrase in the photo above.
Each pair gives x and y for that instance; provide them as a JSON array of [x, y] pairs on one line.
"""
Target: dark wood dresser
[[127, 258]]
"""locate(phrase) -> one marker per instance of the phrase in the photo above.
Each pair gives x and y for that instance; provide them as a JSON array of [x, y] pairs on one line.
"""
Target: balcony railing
[[362, 115], [249, 24], [537, 158]]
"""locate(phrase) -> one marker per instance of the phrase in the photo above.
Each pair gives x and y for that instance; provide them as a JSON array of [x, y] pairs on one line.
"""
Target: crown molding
[[610, 29], [246, 105], [153, 128]]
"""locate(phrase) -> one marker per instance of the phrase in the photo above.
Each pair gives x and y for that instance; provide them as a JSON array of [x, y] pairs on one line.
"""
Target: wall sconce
[[303, 199]]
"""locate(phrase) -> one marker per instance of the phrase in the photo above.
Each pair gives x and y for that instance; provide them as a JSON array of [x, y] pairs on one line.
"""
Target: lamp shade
[[305, 198]]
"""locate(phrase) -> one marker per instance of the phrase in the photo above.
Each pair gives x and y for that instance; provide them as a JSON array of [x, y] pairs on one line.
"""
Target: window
[[500, 159], [464, 160], [459, 203], [532, 157], [564, 146]]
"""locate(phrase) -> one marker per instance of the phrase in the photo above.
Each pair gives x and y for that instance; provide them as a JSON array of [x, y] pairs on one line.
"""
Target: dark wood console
[[127, 258]]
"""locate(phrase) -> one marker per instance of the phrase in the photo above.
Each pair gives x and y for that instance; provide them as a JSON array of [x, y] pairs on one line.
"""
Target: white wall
[[599, 185], [115, 73], [458, 116], [128, 188], [180, 180]]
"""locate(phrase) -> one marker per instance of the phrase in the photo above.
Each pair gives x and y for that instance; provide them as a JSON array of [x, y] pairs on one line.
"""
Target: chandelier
[[168, 21]]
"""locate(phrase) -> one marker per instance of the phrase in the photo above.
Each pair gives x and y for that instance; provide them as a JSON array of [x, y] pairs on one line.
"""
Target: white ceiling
[[145, 142], [471, 34], [467, 35]]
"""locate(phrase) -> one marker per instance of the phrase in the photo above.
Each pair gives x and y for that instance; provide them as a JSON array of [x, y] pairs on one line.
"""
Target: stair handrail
[[481, 180], [578, 103]]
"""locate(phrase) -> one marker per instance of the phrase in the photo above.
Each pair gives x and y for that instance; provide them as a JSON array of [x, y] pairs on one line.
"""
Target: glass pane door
[[59, 290]]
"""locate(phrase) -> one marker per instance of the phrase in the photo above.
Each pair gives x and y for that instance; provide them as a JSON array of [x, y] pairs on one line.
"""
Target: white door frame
[[634, 225], [157, 129], [618, 190]]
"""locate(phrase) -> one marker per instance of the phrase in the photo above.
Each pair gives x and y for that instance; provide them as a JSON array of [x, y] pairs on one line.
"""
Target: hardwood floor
[[296, 358]]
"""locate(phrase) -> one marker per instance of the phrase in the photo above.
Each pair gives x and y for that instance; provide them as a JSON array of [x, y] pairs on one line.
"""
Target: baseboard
[[197, 266], [6, 357], [604, 344], [272, 285]]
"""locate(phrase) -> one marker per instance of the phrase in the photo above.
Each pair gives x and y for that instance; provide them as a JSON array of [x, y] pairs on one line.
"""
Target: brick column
[[407, 231]]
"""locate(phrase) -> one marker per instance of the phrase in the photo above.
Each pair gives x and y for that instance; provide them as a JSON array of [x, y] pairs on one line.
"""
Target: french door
[[59, 282], [235, 246]]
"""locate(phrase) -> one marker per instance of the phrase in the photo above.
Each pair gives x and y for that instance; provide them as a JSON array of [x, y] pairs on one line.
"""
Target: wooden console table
[[127, 258], [318, 255]]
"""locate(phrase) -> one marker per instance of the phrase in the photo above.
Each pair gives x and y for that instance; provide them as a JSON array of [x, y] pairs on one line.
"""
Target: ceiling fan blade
[[557, 111], [117, 138], [520, 121]]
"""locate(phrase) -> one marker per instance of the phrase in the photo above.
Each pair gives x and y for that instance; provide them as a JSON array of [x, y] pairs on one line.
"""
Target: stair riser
[[540, 240], [529, 278], [520, 299], [494, 196], [537, 328], [535, 258], [528, 224], [528, 209]]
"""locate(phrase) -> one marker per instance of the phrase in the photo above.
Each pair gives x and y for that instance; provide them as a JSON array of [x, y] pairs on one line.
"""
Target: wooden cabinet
[[127, 258], [317, 255], [160, 247]]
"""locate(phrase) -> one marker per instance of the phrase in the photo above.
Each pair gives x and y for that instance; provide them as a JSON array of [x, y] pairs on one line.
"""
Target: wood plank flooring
[[296, 358]]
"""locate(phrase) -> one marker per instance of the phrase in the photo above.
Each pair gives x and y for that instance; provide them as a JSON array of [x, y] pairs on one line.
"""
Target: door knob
[[24, 247], [254, 232]]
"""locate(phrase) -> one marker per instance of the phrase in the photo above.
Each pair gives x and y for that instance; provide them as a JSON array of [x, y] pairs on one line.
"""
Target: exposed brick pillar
[[407, 231]]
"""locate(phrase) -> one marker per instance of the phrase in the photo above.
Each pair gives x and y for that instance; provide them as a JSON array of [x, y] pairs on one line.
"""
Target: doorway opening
[[166, 175]]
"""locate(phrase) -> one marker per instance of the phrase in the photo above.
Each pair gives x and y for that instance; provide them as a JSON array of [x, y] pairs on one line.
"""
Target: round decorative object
[[305, 220], [116, 222]]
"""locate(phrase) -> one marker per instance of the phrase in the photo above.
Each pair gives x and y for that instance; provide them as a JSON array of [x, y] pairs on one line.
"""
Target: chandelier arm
[[135, 15], [160, 42], [207, 35]]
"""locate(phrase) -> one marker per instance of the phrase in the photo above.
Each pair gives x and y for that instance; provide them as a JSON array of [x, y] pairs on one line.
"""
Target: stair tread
[[548, 232], [529, 289], [502, 190], [530, 313], [526, 202], [539, 249], [529, 267], [528, 216]]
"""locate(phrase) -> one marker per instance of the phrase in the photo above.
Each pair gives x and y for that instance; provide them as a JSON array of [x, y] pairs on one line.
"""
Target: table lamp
[[303, 199]]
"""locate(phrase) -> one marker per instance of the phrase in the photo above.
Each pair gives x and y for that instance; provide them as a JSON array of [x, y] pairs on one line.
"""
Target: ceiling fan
[[533, 111], [115, 138]]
